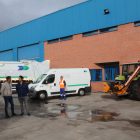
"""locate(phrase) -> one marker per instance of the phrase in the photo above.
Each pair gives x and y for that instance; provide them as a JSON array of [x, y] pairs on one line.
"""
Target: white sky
[[15, 12]]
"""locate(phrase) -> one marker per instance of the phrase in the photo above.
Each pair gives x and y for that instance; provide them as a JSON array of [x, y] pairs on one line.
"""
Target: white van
[[47, 85]]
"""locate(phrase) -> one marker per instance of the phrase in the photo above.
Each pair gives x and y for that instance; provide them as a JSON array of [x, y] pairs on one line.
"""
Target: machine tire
[[42, 95], [81, 92], [136, 90]]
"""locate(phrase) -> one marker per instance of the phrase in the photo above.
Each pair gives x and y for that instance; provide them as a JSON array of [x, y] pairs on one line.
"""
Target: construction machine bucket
[[106, 86]]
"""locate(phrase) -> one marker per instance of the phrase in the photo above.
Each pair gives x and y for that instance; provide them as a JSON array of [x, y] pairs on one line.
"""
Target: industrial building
[[96, 34]]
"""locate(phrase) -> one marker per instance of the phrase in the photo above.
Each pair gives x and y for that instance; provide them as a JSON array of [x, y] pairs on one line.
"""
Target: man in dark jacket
[[22, 90]]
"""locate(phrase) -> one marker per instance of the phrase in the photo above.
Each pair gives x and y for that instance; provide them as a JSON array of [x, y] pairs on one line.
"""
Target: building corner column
[[41, 47], [15, 54]]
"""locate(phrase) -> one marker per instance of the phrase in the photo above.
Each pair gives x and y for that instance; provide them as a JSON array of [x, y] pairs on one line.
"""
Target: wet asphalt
[[96, 116]]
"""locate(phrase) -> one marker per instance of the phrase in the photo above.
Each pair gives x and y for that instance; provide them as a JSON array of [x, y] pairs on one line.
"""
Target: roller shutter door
[[29, 53], [6, 56]]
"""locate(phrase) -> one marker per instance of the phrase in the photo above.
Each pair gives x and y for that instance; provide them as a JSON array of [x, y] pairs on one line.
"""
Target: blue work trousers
[[62, 92]]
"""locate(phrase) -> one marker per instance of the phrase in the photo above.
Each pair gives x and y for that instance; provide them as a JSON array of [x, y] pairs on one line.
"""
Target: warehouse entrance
[[6, 55], [111, 70], [31, 52]]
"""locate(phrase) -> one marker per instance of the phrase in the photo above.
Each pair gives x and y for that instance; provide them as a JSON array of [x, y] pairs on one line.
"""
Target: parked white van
[[47, 85]]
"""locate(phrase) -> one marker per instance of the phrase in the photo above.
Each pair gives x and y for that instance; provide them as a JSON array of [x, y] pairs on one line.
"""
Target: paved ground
[[96, 116]]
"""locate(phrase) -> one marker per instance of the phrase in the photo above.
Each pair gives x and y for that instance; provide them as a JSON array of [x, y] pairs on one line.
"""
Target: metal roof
[[77, 19]]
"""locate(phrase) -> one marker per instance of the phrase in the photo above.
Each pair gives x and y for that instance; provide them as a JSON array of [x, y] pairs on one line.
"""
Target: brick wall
[[122, 45]]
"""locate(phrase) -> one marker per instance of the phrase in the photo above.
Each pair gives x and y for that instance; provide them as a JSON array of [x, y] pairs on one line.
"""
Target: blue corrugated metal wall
[[6, 56], [29, 52], [74, 20]]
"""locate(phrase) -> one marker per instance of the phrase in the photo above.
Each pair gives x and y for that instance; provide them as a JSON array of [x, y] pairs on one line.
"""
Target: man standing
[[62, 88], [22, 90], [6, 92]]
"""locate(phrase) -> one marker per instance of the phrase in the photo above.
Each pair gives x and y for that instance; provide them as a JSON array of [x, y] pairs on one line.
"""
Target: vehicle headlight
[[33, 87]]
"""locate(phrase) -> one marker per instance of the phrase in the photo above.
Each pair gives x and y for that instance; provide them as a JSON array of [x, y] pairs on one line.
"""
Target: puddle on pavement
[[103, 116], [101, 112], [70, 111], [100, 115], [69, 107], [56, 110], [39, 109], [61, 105]]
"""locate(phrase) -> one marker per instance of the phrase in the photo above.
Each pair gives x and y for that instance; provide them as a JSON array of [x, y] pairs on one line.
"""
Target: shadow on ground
[[116, 98]]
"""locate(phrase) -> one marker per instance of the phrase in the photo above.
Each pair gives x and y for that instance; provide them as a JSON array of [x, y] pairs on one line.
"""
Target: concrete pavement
[[96, 116]]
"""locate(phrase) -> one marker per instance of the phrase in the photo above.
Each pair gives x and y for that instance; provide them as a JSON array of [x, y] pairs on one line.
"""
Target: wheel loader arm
[[132, 77], [122, 89], [126, 85]]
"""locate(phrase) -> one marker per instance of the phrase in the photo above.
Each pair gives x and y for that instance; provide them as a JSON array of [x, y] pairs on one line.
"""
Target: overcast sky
[[15, 12]]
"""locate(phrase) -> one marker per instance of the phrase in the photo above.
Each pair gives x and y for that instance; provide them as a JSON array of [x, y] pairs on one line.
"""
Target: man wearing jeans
[[6, 92], [22, 90]]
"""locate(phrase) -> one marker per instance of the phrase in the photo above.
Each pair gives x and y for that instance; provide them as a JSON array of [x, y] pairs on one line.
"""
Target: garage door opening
[[6, 55], [29, 53]]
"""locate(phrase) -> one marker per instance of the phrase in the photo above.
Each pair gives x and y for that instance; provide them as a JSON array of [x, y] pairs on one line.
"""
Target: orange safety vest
[[62, 85]]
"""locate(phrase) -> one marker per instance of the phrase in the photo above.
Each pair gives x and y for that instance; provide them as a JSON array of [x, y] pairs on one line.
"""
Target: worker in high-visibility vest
[[62, 88]]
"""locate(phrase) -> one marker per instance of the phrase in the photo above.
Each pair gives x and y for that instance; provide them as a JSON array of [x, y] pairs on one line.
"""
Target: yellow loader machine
[[126, 84]]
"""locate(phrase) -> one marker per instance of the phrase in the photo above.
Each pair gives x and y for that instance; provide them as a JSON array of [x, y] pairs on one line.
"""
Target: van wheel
[[81, 92], [42, 95]]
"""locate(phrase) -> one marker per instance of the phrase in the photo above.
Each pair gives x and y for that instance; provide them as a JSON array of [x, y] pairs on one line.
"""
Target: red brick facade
[[121, 46]]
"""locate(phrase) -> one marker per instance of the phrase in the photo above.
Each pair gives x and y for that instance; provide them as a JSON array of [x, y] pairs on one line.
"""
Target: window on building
[[53, 41], [137, 23], [96, 75], [66, 38], [115, 28], [90, 33]]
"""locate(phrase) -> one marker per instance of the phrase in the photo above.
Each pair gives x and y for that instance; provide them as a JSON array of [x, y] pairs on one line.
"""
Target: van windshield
[[40, 78]]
